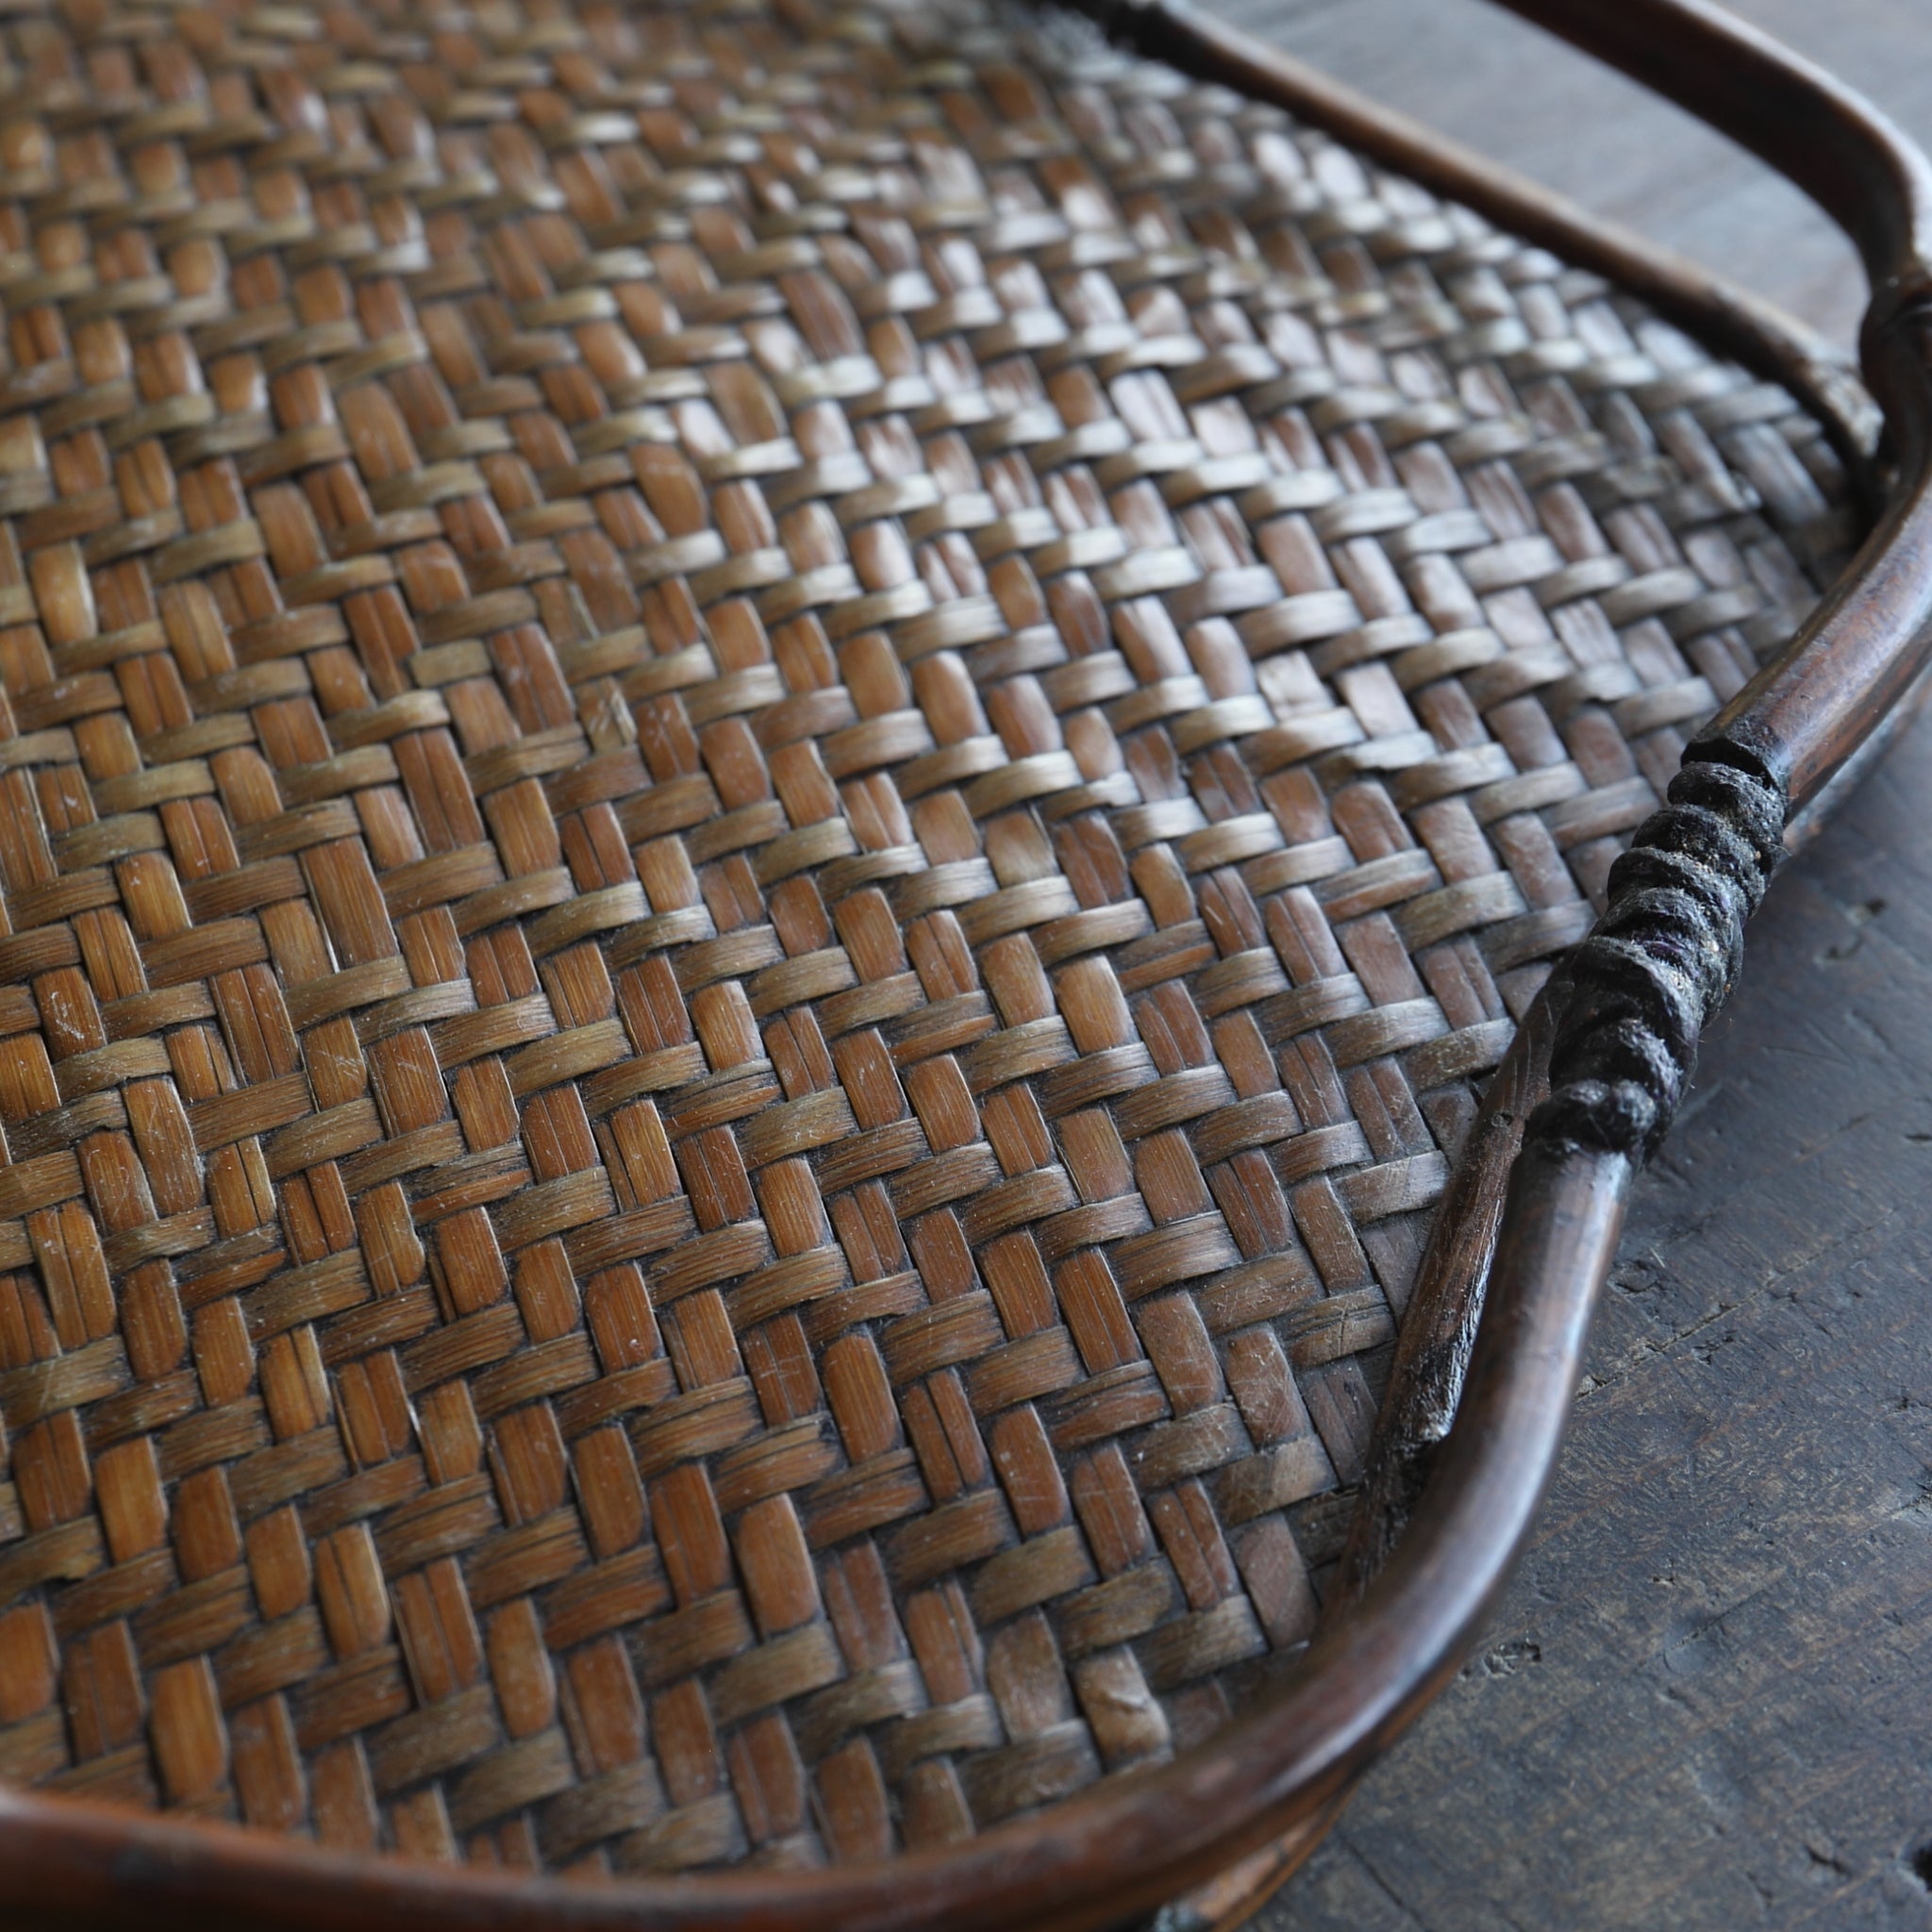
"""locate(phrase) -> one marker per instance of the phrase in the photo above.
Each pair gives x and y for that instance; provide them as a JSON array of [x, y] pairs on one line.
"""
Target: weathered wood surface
[[1706, 1703], [1709, 1701], [1482, 75]]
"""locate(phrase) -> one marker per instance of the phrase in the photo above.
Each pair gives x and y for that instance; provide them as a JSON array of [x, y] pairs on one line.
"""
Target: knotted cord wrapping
[[1661, 960]]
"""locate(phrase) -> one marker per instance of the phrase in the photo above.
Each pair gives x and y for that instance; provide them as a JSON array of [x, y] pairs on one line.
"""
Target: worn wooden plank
[[1704, 1704], [1509, 90]]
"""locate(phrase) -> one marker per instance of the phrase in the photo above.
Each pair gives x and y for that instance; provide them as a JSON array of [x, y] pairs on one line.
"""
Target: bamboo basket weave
[[772, 780]]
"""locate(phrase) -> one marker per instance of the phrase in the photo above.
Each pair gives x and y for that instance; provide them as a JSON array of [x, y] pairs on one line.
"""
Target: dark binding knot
[[1661, 961]]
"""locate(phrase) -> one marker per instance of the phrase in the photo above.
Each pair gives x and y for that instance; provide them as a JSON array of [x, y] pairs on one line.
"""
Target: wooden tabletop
[[1708, 1703]]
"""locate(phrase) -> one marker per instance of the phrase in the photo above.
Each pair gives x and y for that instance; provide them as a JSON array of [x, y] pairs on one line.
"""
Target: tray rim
[[1285, 1770]]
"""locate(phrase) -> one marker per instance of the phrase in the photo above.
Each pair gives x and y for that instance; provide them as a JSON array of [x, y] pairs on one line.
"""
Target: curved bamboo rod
[[1131, 1843]]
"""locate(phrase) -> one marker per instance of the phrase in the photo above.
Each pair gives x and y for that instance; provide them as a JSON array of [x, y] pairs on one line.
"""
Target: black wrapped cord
[[1661, 961]]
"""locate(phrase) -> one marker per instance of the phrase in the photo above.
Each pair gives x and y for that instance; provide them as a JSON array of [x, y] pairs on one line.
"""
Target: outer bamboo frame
[[1538, 1231]]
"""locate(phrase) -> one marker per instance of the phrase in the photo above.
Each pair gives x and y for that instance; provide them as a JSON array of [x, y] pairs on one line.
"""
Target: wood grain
[[516, 1198], [1486, 78], [1703, 1704]]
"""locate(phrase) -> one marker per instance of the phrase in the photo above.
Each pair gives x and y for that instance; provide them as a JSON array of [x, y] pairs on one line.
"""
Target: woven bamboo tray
[[775, 783]]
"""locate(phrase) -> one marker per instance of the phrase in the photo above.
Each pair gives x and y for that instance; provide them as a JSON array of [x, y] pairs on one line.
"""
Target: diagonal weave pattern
[[768, 776]]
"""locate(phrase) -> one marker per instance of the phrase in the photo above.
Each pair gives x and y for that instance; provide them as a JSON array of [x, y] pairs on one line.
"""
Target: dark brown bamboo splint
[[773, 782]]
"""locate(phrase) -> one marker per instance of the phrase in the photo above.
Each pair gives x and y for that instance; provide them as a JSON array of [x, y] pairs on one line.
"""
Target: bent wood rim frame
[[1523, 1240]]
